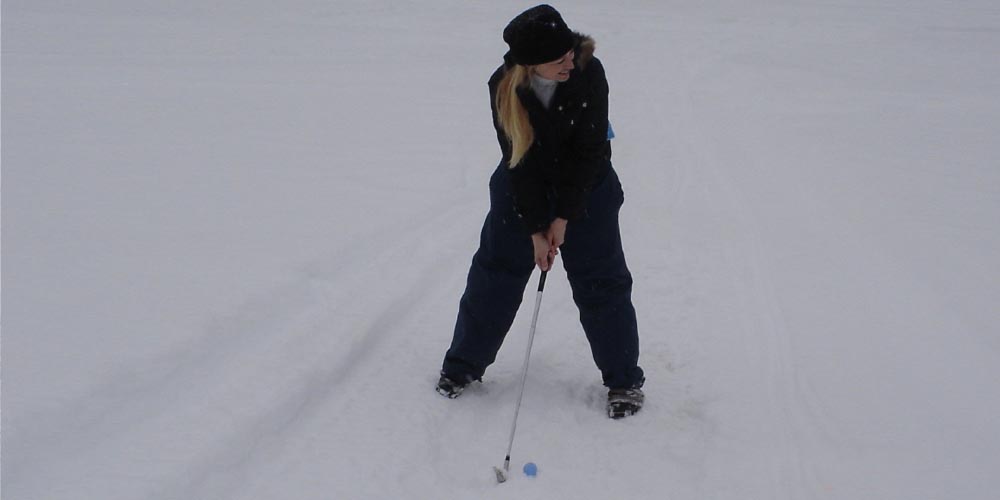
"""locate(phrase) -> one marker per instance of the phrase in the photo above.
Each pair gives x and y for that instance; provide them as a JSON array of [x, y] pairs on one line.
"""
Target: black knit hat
[[537, 35]]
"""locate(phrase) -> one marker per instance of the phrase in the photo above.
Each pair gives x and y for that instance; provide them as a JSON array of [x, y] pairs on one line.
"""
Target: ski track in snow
[[307, 315], [795, 415], [328, 382]]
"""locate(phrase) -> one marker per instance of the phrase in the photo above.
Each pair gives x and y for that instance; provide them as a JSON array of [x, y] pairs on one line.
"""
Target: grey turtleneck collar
[[544, 89]]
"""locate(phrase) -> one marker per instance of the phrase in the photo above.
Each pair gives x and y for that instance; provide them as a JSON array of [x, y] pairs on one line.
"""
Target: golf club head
[[501, 474]]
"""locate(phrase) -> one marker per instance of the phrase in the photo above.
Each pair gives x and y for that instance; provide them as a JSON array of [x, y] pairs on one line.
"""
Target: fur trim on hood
[[585, 46]]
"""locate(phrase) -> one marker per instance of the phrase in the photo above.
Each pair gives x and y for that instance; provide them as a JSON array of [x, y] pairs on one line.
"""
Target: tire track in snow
[[791, 402], [134, 395], [765, 323], [224, 471], [187, 388]]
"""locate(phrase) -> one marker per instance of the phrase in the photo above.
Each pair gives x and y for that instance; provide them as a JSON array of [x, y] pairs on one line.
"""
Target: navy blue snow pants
[[595, 265]]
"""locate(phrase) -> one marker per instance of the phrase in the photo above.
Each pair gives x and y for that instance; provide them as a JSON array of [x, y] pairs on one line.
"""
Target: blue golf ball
[[530, 469]]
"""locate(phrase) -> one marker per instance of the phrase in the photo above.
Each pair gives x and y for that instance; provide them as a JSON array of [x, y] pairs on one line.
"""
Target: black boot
[[452, 388], [624, 402]]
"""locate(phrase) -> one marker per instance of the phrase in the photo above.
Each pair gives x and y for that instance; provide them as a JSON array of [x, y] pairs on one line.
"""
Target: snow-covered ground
[[235, 234]]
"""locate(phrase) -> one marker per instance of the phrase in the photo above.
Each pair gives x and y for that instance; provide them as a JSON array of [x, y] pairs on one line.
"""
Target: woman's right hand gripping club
[[545, 250]]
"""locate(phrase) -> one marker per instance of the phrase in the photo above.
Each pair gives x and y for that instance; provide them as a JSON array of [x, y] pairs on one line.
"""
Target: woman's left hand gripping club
[[556, 236]]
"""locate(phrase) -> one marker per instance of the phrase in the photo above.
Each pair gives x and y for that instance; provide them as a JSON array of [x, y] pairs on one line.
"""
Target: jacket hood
[[585, 46]]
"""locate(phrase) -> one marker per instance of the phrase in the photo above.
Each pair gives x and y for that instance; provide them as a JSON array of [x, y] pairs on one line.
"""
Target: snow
[[235, 235]]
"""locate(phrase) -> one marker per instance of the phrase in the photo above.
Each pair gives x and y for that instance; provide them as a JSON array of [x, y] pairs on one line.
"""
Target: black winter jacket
[[571, 152]]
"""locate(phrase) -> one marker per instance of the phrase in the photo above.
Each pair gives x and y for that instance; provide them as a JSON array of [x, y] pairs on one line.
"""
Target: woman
[[553, 190]]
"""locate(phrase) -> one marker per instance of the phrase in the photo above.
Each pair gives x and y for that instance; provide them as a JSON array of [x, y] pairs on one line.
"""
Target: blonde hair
[[511, 115]]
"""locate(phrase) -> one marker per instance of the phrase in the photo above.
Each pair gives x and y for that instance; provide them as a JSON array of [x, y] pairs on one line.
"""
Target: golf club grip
[[541, 282]]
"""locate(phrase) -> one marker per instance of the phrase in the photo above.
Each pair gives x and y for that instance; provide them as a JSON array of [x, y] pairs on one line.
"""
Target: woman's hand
[[557, 233], [545, 253], [547, 243]]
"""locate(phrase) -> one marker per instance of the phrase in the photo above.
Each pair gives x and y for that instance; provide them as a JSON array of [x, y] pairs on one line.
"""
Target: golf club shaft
[[524, 368]]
